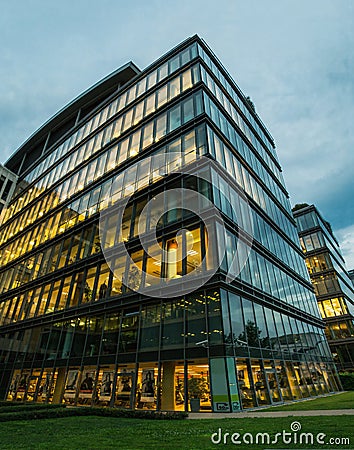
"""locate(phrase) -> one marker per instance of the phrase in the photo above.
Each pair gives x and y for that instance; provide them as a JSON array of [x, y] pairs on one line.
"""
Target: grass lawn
[[343, 400], [89, 433]]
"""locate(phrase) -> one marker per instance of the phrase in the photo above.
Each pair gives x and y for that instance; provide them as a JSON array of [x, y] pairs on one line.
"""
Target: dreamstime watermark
[[166, 281], [293, 437]]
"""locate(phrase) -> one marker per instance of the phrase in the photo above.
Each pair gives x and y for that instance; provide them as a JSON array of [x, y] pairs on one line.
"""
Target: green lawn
[[91, 433], [343, 400]]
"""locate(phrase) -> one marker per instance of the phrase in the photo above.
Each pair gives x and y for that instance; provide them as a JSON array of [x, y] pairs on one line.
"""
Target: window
[[175, 118]]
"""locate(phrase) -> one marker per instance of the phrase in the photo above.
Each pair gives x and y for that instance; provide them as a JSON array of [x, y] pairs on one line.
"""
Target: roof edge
[[119, 76]]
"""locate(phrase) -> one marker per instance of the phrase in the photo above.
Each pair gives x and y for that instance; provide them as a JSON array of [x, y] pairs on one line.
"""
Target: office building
[[333, 287], [351, 275], [151, 256], [7, 186]]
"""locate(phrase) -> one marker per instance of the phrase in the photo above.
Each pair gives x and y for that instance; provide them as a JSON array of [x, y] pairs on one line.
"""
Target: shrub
[[27, 413], [18, 407], [347, 380]]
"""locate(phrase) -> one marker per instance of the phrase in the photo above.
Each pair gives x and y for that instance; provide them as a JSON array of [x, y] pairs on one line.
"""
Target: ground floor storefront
[[211, 384]]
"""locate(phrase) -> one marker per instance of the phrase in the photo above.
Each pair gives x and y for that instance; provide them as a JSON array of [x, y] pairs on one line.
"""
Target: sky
[[294, 58]]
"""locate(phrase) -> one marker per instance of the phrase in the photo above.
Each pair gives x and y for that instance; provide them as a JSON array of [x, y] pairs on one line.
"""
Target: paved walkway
[[249, 414]]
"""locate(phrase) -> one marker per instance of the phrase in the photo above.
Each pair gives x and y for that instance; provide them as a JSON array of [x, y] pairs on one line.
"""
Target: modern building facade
[[7, 186], [150, 255], [351, 275], [333, 287]]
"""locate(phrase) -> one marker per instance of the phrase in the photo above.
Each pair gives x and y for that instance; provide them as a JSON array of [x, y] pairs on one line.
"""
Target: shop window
[[124, 387], [259, 381], [272, 381], [245, 384], [71, 385], [87, 385], [198, 386], [104, 386], [46, 386]]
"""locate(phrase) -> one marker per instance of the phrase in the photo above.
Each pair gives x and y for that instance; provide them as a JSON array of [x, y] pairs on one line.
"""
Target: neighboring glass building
[[333, 287], [7, 186], [351, 275], [149, 254]]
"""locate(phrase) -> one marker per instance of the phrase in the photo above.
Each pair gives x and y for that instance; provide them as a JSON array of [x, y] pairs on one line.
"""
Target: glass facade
[[331, 281], [149, 256], [7, 187]]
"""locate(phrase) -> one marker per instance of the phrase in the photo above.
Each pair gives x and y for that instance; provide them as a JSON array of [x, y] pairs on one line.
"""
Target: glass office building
[[351, 275], [149, 255], [332, 283], [7, 186]]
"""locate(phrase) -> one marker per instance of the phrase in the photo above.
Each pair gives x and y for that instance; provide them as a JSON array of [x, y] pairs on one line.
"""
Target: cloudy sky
[[294, 58]]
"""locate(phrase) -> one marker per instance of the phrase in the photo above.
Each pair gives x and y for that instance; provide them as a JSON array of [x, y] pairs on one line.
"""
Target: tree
[[252, 334], [300, 206], [250, 103]]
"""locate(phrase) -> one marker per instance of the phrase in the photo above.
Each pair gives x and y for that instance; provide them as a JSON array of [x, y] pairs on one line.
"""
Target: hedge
[[347, 379], [17, 407], [53, 413]]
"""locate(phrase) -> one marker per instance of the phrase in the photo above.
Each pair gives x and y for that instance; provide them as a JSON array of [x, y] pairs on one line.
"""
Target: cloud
[[293, 58]]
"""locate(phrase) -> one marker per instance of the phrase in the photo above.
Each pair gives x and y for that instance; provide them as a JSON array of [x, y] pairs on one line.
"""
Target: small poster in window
[[148, 386], [23, 383], [87, 384], [71, 383], [44, 387], [106, 386], [124, 383]]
